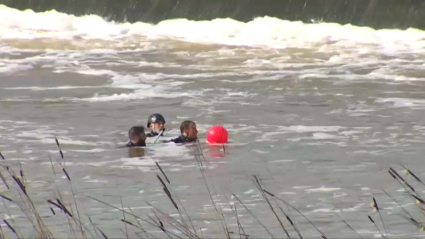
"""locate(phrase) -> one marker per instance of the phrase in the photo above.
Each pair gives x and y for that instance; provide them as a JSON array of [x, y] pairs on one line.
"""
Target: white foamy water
[[334, 52], [326, 106], [276, 33]]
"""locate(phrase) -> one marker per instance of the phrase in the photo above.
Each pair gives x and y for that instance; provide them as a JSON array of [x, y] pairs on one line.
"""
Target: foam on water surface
[[323, 106], [276, 33], [322, 189]]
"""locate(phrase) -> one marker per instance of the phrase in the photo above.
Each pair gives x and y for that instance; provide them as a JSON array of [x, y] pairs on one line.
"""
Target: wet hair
[[185, 125], [136, 131]]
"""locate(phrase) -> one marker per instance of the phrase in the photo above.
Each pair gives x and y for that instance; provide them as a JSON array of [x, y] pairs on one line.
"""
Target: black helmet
[[155, 118]]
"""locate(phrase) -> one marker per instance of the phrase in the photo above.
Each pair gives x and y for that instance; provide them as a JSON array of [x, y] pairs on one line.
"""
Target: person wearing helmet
[[156, 123]]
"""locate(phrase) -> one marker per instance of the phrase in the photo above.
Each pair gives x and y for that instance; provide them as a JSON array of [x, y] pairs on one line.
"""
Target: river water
[[318, 112]]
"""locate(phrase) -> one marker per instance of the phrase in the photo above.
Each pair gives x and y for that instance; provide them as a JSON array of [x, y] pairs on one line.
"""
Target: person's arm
[[166, 140], [175, 140]]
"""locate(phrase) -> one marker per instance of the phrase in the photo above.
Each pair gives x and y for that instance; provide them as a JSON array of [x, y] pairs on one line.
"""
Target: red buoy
[[217, 135]]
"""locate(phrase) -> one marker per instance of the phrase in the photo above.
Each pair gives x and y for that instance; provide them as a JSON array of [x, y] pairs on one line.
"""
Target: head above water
[[156, 122], [188, 129], [137, 135]]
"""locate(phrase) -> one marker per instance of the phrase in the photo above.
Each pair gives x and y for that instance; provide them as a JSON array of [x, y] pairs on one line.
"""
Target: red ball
[[217, 135]]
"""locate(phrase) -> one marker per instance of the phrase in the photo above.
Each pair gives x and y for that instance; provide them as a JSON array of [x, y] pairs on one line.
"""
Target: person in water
[[136, 136], [156, 123], [189, 133]]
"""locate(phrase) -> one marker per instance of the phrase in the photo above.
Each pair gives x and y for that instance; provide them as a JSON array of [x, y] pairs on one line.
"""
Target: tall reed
[[19, 194]]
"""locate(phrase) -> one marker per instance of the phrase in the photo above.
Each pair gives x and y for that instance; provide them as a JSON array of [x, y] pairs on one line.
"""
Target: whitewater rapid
[[319, 111], [266, 32]]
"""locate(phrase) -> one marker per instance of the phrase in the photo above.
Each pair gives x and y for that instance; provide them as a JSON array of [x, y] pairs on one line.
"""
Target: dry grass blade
[[155, 224], [225, 227], [1, 232], [127, 222], [51, 163], [165, 176], [79, 224], [199, 158], [66, 174], [123, 232], [400, 182], [410, 219], [411, 173], [94, 228], [171, 225], [402, 179], [21, 186], [348, 225], [53, 211], [62, 167], [418, 200], [291, 222], [370, 218], [21, 172], [11, 228], [288, 204], [240, 227], [405, 188], [60, 150], [188, 217], [161, 225], [69, 219], [4, 181], [72, 190], [167, 192], [123, 214], [78, 212], [37, 227], [13, 221], [55, 204], [140, 225], [270, 205], [97, 228], [249, 211], [64, 208], [179, 226], [8, 199], [27, 206], [380, 215], [103, 234], [190, 221]]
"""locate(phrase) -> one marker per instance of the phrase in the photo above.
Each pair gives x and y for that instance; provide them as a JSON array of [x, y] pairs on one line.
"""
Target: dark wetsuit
[[181, 139], [154, 134], [130, 144]]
